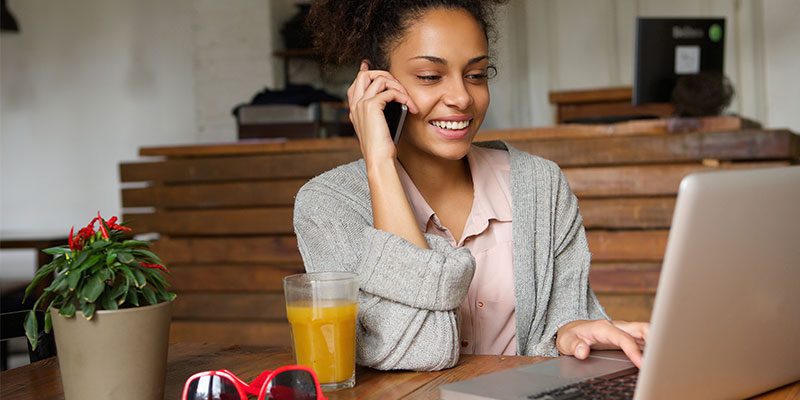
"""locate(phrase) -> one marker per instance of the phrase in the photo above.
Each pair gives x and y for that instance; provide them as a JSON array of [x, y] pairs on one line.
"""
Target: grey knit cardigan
[[409, 295]]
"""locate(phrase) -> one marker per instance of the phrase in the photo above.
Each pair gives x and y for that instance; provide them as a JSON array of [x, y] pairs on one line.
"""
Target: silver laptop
[[726, 319]]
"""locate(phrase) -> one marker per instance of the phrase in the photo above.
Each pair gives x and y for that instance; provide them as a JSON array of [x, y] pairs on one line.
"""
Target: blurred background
[[85, 83]]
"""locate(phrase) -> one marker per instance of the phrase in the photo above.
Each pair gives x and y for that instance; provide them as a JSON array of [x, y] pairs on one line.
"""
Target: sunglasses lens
[[292, 385], [212, 388]]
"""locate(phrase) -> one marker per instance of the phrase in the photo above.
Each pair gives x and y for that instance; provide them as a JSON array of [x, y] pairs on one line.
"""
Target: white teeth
[[452, 125]]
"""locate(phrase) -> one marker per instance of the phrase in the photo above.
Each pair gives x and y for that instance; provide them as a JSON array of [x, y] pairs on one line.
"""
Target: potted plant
[[110, 309]]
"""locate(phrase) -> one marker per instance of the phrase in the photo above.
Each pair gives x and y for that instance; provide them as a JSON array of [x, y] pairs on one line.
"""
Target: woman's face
[[442, 62]]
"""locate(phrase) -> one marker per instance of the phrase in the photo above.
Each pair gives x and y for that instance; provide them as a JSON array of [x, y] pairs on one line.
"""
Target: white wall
[[82, 87], [782, 67], [548, 45], [88, 82]]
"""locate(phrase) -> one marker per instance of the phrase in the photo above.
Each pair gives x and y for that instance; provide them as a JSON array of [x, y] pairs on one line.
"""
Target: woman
[[459, 248]]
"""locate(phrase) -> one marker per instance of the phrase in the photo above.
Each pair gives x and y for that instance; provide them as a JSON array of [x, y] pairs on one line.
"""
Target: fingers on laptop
[[639, 330], [578, 337]]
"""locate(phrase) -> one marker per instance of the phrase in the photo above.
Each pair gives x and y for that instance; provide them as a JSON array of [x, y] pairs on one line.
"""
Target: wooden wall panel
[[225, 220], [261, 221], [625, 278], [262, 249], [628, 246], [231, 277], [643, 180], [664, 148], [631, 213], [220, 169], [237, 194], [627, 307]]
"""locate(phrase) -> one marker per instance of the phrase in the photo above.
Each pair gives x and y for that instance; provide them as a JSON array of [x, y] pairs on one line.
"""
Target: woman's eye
[[478, 77], [429, 78]]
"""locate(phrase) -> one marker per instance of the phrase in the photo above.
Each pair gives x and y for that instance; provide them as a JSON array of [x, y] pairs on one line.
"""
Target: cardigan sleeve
[[571, 297], [408, 295]]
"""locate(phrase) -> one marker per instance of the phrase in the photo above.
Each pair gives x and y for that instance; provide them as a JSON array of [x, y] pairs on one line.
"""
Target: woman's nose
[[457, 95]]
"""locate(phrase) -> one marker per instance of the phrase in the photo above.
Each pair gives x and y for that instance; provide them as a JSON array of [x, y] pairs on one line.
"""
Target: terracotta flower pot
[[118, 355]]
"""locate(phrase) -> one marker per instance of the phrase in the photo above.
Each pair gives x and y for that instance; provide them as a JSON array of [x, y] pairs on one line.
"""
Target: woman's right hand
[[367, 97]]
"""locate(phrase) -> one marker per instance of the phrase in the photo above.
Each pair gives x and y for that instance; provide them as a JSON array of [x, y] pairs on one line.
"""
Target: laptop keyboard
[[619, 385]]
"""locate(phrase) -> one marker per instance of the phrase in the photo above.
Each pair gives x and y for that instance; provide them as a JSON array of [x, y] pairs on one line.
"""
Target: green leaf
[[81, 258], [32, 328], [73, 277], [108, 302], [141, 281], [120, 288], [93, 288], [125, 257], [99, 244], [59, 285], [88, 310], [149, 295], [42, 273], [48, 320], [148, 254], [68, 310], [131, 298], [111, 257], [106, 275], [92, 261], [57, 250], [136, 243]]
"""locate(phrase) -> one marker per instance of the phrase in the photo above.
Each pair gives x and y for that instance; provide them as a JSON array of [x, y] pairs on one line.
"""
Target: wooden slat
[[254, 146], [645, 246], [627, 307], [215, 222], [237, 194], [624, 278], [576, 112], [228, 306], [265, 250], [736, 145], [590, 95], [646, 180], [285, 146], [245, 333], [231, 278], [639, 213], [622, 130], [276, 166]]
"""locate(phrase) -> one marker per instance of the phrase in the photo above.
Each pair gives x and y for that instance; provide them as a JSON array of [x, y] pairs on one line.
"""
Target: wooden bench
[[224, 212]]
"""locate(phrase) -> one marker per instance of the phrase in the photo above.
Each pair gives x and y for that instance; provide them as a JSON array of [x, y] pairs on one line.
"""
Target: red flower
[[70, 241], [154, 266], [114, 226], [102, 226]]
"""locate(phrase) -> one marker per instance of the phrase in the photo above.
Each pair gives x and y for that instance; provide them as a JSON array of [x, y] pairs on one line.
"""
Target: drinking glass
[[322, 309]]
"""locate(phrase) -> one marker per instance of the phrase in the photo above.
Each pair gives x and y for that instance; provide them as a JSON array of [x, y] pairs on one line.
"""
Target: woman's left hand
[[577, 338]]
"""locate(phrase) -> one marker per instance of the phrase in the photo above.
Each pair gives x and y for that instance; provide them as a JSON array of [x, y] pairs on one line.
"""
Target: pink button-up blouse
[[486, 317]]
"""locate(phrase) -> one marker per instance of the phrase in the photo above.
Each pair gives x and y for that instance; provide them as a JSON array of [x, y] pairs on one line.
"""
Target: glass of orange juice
[[322, 308]]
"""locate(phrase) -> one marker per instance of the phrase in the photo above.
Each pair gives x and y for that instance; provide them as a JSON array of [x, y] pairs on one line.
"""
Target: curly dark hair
[[701, 95], [348, 31]]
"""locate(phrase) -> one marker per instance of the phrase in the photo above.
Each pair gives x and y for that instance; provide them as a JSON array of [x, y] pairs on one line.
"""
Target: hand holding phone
[[395, 114], [374, 92]]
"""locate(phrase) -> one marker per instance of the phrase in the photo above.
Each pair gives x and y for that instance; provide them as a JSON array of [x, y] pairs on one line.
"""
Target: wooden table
[[41, 380]]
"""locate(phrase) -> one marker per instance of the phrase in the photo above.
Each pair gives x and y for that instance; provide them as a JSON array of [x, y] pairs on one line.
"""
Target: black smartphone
[[395, 114]]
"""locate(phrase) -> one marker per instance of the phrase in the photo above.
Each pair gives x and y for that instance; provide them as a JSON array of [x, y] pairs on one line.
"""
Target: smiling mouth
[[451, 125]]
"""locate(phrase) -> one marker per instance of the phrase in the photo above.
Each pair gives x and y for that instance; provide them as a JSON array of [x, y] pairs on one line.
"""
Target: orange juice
[[325, 337]]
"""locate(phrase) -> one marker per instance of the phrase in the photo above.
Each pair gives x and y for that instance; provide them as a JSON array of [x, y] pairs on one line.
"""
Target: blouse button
[[464, 343], [480, 304]]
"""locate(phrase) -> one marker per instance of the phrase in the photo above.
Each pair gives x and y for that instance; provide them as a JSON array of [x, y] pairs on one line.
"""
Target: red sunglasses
[[291, 382]]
